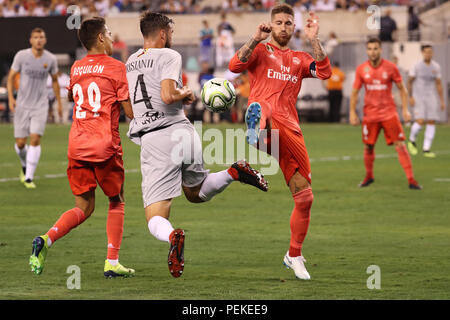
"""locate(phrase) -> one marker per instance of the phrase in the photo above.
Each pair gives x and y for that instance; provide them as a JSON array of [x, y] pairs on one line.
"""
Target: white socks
[[160, 228], [415, 129], [429, 136], [113, 262], [430, 130], [22, 153], [214, 184], [33, 155]]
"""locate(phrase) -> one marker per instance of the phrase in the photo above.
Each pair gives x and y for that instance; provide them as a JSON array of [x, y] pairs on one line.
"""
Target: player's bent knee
[[298, 183], [192, 194]]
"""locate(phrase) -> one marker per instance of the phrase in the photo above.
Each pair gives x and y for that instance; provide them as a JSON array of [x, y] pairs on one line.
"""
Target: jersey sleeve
[[357, 84], [438, 72], [171, 66], [17, 62], [53, 66], [122, 84], [396, 76], [237, 66]]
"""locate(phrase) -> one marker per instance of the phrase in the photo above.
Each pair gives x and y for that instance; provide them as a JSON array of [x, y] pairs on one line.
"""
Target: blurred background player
[[31, 108], [276, 74], [377, 76], [154, 76], [423, 84], [98, 86], [334, 86]]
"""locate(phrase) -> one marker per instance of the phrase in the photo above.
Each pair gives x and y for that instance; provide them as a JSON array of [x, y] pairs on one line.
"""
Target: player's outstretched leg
[[39, 249], [430, 131], [244, 173], [252, 119], [175, 260]]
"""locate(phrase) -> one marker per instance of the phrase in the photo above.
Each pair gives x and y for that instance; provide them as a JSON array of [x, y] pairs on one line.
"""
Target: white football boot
[[297, 264]]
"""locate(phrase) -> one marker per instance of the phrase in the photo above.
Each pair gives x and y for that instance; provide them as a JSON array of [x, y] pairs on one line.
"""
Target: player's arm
[[410, 86], [56, 90], [440, 92], [322, 67], [404, 98], [10, 86], [126, 105], [244, 55], [171, 94], [354, 120]]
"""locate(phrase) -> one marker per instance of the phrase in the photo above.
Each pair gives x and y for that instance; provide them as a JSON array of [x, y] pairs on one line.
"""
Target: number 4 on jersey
[[145, 98]]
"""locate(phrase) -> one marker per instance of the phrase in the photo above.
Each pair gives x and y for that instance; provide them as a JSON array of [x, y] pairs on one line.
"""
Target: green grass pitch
[[235, 243]]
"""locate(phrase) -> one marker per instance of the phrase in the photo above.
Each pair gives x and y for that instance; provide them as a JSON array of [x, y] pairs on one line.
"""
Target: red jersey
[[98, 82], [276, 78], [379, 103]]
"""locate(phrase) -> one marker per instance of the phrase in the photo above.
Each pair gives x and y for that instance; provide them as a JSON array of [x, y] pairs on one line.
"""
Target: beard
[[282, 41]]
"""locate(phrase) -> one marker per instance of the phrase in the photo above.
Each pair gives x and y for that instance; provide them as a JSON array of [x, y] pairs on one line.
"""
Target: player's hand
[[412, 102], [312, 26], [406, 115], [190, 97], [354, 120], [262, 31], [12, 104]]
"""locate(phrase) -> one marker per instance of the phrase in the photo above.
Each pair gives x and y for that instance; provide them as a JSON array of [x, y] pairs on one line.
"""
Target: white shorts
[[427, 108], [170, 157], [28, 121]]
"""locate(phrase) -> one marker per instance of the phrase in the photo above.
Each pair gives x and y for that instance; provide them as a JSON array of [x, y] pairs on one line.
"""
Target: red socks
[[300, 218], [68, 220], [369, 158], [405, 161], [114, 228]]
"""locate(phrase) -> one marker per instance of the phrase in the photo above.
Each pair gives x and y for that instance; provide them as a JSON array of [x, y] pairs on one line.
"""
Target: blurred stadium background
[[231, 22]]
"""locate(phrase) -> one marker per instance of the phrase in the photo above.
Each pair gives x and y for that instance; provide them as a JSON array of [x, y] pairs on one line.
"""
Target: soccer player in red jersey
[[98, 86], [276, 74], [377, 76]]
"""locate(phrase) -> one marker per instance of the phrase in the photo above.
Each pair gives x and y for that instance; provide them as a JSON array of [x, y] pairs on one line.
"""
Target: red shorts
[[84, 175], [392, 128], [292, 153]]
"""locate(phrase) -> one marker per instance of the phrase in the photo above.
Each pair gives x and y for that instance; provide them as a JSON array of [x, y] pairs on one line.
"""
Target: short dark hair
[[152, 22], [282, 8], [425, 46], [36, 30], [373, 40], [89, 31]]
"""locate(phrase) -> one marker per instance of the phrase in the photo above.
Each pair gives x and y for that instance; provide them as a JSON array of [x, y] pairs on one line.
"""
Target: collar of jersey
[[96, 55], [381, 62], [285, 50]]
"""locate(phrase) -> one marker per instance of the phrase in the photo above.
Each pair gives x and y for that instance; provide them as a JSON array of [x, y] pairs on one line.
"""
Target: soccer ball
[[218, 95]]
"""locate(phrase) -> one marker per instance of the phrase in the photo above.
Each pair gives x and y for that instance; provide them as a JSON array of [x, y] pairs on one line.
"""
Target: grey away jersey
[[145, 70], [425, 78], [33, 77]]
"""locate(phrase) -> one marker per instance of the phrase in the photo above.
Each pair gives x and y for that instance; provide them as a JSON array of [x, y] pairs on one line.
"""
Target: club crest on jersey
[[45, 66], [384, 75], [296, 60]]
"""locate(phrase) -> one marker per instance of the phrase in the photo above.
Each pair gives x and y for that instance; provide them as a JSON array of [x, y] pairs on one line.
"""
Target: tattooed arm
[[318, 50], [312, 33], [262, 33]]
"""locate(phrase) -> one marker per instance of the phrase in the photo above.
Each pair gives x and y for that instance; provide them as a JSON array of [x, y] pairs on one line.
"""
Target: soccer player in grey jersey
[[157, 95], [31, 107], [423, 84]]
